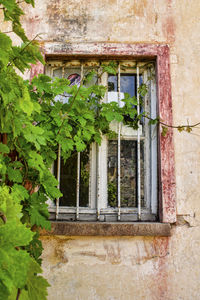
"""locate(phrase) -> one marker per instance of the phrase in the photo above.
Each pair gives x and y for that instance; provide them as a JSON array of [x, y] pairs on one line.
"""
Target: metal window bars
[[98, 206], [138, 148], [78, 169]]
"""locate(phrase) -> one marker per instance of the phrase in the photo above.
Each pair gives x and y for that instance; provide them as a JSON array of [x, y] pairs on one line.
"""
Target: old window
[[116, 181]]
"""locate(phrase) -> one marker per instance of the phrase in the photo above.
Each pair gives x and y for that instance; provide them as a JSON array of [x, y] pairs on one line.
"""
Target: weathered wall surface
[[139, 267]]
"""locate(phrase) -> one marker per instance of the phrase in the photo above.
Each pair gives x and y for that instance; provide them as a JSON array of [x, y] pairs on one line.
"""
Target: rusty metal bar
[[78, 171], [138, 148], [118, 152], [78, 184], [58, 178], [98, 166], [59, 163]]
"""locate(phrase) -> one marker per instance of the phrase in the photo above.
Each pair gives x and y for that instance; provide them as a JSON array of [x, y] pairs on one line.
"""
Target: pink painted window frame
[[161, 54]]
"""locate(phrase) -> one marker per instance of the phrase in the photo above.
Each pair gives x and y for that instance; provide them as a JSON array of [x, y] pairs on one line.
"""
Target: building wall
[[123, 268]]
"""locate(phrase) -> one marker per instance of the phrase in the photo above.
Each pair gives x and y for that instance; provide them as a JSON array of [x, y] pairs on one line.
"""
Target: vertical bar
[[153, 132], [98, 183], [78, 184], [59, 163], [118, 152], [58, 178], [138, 148], [63, 72], [78, 170], [98, 167]]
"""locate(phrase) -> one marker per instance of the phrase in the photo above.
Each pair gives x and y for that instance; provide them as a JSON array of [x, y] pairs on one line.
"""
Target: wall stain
[[148, 250], [91, 253], [168, 28], [113, 254], [139, 7], [57, 255], [162, 246], [66, 21]]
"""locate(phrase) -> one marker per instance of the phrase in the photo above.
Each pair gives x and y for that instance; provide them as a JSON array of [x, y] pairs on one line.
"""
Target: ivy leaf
[[5, 47], [36, 285], [30, 2], [18, 191], [14, 175], [164, 131], [111, 68], [4, 148], [36, 161], [14, 234], [89, 76], [37, 217], [13, 270], [35, 248], [17, 28], [38, 210], [153, 121]]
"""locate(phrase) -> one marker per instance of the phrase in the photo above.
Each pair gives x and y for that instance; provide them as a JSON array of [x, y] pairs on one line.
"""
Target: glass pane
[[68, 180], [57, 73], [84, 180], [112, 173], [128, 178], [127, 84], [112, 83], [74, 75], [68, 175], [129, 173]]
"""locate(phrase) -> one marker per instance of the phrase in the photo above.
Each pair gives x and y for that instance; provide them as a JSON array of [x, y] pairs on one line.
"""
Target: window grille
[[116, 181]]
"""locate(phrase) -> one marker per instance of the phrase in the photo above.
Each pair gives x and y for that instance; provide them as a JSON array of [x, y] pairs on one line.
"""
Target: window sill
[[108, 229]]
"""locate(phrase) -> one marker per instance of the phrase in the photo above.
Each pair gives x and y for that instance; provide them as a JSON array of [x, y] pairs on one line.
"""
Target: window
[[116, 181]]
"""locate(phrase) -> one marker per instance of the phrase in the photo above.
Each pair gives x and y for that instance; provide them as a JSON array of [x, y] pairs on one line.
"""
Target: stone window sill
[[108, 229]]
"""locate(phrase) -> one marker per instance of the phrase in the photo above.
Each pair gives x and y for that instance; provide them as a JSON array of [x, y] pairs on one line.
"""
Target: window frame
[[160, 53], [98, 208]]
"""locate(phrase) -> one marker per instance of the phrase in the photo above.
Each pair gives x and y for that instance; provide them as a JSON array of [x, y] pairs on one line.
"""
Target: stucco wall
[[126, 268]]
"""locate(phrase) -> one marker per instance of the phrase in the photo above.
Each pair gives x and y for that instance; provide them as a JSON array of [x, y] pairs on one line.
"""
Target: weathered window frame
[[160, 53], [98, 208]]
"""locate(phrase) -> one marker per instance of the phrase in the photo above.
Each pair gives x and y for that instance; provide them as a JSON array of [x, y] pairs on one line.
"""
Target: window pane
[[127, 83], [68, 175], [128, 178], [68, 180], [128, 173], [57, 73], [112, 83], [112, 173], [84, 178]]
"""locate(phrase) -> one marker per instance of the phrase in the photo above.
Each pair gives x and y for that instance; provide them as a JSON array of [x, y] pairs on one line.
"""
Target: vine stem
[[10, 63], [5, 32], [3, 217], [173, 126], [18, 294]]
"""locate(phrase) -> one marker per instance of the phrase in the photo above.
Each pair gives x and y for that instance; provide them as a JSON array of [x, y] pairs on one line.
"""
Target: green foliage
[[112, 194], [164, 131], [15, 261]]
